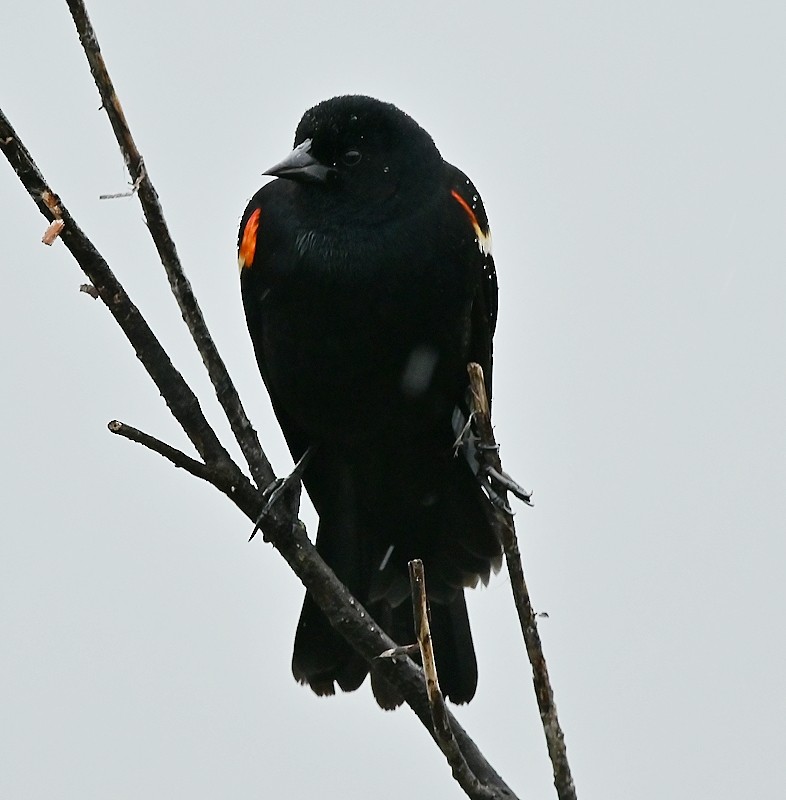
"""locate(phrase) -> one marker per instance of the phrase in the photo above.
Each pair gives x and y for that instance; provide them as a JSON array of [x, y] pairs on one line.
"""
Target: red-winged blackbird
[[368, 285]]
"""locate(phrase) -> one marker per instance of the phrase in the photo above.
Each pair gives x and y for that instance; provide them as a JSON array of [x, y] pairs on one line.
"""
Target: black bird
[[368, 285]]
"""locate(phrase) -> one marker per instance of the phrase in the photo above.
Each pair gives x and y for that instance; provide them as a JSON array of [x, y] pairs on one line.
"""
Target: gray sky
[[632, 162]]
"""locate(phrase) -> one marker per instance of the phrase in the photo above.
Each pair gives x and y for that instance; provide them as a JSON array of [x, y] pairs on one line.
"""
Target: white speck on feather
[[419, 370]]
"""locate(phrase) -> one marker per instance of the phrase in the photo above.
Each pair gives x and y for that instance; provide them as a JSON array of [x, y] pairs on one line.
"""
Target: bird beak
[[301, 166]]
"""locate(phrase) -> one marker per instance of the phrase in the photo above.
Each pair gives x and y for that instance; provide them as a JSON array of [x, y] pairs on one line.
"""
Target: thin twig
[[555, 740], [132, 191], [227, 395], [443, 733], [172, 454]]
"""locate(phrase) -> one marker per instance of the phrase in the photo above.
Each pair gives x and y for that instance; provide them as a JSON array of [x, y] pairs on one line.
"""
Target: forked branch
[[279, 526], [226, 393]]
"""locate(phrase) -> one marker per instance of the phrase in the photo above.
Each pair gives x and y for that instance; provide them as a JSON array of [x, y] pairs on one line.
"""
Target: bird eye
[[351, 156]]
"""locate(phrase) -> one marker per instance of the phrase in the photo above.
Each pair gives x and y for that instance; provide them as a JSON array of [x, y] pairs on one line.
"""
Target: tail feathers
[[457, 667], [322, 656], [454, 653], [450, 530], [398, 624], [368, 540]]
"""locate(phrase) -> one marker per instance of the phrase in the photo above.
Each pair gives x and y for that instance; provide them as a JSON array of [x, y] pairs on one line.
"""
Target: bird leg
[[475, 451], [463, 435]]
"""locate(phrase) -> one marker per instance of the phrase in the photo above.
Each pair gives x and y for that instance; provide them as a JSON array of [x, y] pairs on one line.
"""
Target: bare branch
[[355, 624], [555, 740], [286, 532], [181, 400], [442, 731], [227, 395]]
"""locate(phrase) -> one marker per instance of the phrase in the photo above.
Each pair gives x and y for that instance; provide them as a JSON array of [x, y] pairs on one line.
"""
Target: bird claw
[[273, 488], [496, 499], [487, 448], [273, 491], [485, 473], [463, 435], [510, 485], [491, 480], [405, 650]]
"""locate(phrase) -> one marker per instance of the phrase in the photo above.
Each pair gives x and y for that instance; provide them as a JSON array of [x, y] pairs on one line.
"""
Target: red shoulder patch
[[483, 237], [248, 242]]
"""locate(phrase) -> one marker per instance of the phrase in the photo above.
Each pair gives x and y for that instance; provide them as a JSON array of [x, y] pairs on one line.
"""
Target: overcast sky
[[632, 160]]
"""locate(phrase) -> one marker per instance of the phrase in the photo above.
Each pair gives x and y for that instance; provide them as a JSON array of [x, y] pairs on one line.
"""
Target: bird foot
[[279, 486], [496, 499], [491, 480]]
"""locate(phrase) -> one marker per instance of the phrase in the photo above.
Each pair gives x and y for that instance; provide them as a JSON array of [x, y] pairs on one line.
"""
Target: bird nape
[[368, 285]]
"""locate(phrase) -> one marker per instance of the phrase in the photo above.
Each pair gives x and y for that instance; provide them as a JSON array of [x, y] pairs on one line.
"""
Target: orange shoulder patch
[[248, 242], [482, 237]]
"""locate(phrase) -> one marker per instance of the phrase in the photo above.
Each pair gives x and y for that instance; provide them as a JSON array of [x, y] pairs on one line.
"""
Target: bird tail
[[454, 652], [322, 658], [368, 542]]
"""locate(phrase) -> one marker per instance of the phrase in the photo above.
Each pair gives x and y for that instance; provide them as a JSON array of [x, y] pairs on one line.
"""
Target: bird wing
[[484, 306], [258, 241]]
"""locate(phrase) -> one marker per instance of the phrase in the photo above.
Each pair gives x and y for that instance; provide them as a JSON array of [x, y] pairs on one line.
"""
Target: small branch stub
[[52, 202], [53, 231], [134, 186]]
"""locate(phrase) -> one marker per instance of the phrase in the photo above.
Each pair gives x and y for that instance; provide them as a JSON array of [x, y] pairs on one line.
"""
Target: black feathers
[[368, 285]]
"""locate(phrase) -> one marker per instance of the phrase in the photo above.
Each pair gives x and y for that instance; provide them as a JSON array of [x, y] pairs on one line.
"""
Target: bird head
[[361, 152]]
